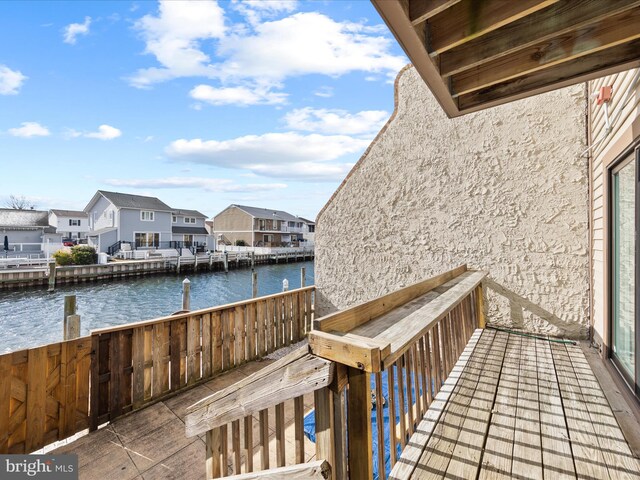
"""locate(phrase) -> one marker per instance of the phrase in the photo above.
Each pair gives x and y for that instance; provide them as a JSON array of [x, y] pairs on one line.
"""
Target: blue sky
[[202, 104]]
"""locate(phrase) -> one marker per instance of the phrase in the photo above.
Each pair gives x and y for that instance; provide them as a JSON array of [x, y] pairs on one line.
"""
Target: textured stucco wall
[[503, 190]]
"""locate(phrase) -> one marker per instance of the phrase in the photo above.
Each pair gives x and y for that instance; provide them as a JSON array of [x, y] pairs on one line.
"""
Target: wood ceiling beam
[[618, 58], [421, 10], [471, 19], [608, 33], [557, 20]]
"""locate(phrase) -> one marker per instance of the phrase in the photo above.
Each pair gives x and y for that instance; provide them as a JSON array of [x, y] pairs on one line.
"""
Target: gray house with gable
[[114, 218]]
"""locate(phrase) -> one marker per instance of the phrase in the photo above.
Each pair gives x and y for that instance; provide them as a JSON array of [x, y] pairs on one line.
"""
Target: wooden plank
[[498, 452], [298, 420], [393, 439], [235, 445], [417, 368], [559, 19], [224, 448], [226, 341], [213, 453], [466, 456], [241, 332], [36, 397], [401, 404], [148, 361], [359, 425], [557, 459], [216, 338], [5, 401], [251, 331], [286, 319], [411, 424], [316, 470], [348, 349], [264, 388], [380, 423], [138, 367], [437, 452], [308, 310], [413, 451], [279, 324], [293, 313], [93, 407], [175, 348], [261, 308], [248, 442], [347, 320], [608, 33], [280, 441], [264, 439], [421, 10], [463, 22], [205, 351], [270, 328], [324, 402]]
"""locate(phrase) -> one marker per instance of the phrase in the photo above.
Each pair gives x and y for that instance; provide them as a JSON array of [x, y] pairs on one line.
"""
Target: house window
[[262, 224], [174, 219], [147, 239], [146, 216], [189, 220], [268, 238], [74, 223]]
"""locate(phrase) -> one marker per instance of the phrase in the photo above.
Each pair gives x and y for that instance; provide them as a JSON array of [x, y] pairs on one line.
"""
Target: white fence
[[265, 250]]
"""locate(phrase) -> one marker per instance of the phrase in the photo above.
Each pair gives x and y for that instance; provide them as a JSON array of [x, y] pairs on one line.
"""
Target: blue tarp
[[310, 422]]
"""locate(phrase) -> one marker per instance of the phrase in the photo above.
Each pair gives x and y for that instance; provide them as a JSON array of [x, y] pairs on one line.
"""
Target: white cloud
[[208, 184], [259, 54], [270, 148], [324, 92], [10, 80], [280, 155], [174, 37], [336, 121], [239, 96], [30, 129], [72, 30], [105, 132], [256, 10]]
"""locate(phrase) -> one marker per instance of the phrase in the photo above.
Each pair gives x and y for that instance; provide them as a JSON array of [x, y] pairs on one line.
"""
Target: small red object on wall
[[604, 95]]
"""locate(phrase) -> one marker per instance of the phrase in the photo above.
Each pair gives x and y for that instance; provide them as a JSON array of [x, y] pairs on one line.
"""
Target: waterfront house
[[143, 222], [188, 229], [258, 227], [308, 230], [27, 232], [70, 223]]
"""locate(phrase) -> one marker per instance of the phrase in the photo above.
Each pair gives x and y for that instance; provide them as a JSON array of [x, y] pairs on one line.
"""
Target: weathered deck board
[[521, 407]]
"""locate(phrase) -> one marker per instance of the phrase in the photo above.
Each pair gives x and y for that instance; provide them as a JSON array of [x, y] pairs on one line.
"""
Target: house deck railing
[[408, 351], [51, 392]]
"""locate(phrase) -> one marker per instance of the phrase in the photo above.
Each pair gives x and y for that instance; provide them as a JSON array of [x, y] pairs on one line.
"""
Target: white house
[[69, 223]]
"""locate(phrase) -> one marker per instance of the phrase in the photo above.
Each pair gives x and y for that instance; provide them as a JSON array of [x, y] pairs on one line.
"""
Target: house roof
[[190, 230], [189, 213], [308, 222], [25, 219], [69, 213], [95, 233], [127, 200], [267, 213], [475, 55]]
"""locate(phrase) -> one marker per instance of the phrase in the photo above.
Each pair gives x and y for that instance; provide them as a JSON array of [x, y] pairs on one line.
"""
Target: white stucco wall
[[503, 190]]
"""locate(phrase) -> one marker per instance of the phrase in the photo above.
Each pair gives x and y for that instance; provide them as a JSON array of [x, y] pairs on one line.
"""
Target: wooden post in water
[[178, 265], [186, 294], [253, 260], [285, 285], [72, 327], [254, 283], [303, 277], [52, 276], [69, 311], [226, 261]]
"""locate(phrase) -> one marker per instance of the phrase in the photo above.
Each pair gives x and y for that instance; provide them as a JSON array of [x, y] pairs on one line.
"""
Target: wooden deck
[[519, 407]]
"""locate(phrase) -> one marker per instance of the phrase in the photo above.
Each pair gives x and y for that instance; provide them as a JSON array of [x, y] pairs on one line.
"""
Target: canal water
[[33, 317]]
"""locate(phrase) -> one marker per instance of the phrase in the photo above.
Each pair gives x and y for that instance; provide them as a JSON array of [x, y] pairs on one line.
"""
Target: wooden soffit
[[475, 54]]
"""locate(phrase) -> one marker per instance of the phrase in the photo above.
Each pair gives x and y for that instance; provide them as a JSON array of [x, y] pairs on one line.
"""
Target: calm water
[[34, 317]]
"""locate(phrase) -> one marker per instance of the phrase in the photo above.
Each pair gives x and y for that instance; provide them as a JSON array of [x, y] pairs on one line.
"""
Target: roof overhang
[[476, 54]]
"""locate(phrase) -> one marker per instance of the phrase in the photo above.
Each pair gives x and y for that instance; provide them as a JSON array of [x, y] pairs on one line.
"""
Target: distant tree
[[19, 203]]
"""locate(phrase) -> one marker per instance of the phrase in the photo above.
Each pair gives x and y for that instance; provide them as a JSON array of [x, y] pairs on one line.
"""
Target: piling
[[52, 276], [72, 327], [69, 321], [186, 294], [226, 261], [285, 285], [254, 283], [178, 265], [303, 275]]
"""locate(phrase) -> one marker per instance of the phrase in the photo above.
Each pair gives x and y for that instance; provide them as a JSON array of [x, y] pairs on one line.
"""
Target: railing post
[[480, 306], [213, 453], [324, 415], [359, 425]]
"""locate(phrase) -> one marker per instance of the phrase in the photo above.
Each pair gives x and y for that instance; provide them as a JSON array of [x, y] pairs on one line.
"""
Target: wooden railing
[[52, 392], [397, 349], [227, 416]]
